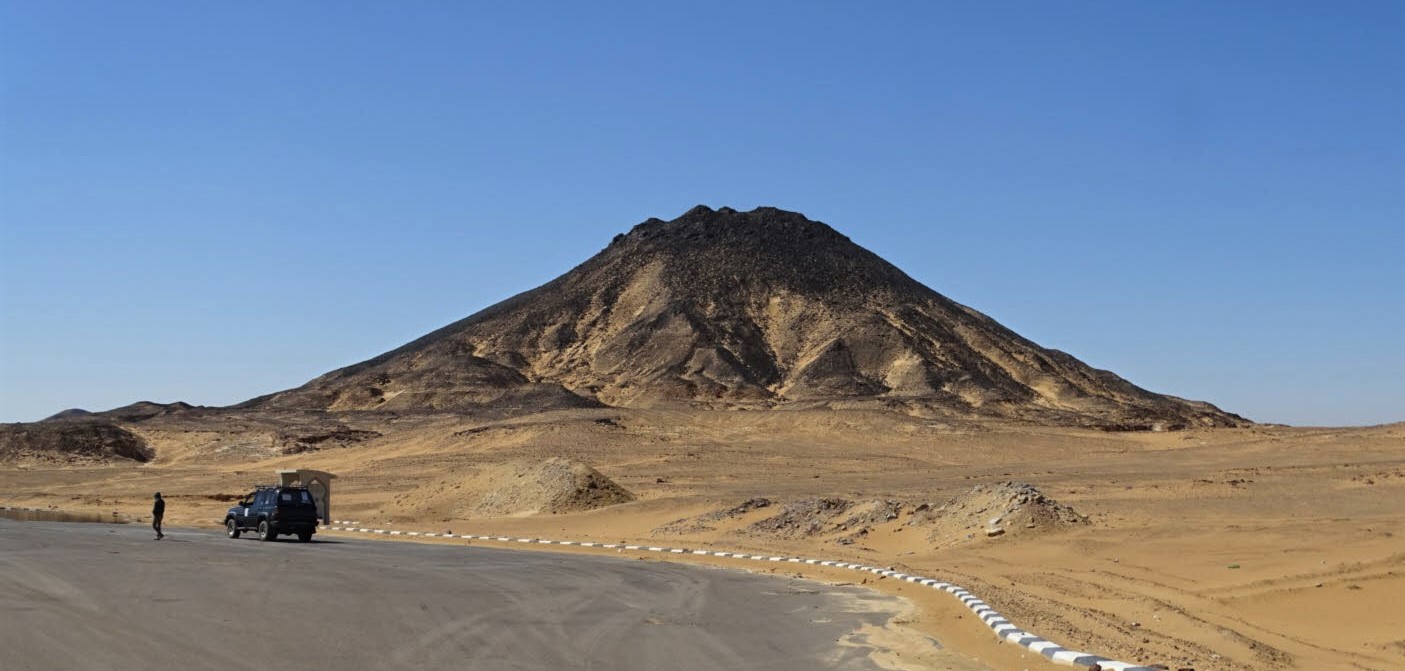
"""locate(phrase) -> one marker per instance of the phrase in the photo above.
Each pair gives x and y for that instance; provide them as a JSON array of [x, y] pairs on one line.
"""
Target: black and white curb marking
[[1002, 627]]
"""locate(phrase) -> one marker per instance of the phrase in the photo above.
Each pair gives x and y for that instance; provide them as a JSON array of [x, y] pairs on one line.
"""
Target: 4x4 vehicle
[[273, 511]]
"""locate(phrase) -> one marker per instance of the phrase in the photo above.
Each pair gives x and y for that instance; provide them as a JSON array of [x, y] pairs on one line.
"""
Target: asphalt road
[[102, 596]]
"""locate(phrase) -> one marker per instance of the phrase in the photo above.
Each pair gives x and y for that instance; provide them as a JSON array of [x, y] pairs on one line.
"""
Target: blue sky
[[208, 202]]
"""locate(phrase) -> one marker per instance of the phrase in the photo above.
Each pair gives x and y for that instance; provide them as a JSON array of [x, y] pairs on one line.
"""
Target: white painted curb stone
[[1001, 626]]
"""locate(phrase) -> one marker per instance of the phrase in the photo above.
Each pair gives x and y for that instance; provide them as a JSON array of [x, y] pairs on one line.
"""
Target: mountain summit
[[741, 309]]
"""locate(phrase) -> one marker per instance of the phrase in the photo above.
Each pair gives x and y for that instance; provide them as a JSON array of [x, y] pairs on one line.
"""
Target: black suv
[[274, 511]]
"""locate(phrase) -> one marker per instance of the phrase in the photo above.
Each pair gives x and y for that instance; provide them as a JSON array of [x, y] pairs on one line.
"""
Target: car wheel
[[230, 528], [266, 532], [304, 536]]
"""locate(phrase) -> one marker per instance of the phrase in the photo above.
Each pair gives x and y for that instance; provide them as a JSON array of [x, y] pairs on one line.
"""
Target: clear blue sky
[[211, 201]]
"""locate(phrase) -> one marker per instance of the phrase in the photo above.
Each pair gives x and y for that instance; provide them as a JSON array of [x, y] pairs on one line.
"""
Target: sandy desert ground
[[1220, 549]]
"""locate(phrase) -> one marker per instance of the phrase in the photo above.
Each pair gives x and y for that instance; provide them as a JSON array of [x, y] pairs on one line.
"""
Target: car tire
[[230, 528], [305, 536], [266, 532]]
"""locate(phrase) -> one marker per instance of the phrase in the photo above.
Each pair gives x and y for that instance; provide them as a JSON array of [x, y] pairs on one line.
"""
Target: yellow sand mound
[[516, 488]]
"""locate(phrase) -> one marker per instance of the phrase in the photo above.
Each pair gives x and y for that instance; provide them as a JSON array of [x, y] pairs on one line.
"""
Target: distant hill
[[759, 309], [136, 412]]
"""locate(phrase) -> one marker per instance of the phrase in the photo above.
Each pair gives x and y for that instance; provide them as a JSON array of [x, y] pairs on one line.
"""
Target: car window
[[294, 496]]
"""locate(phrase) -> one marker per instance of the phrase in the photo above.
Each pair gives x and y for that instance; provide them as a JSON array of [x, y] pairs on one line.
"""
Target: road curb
[[1003, 628]]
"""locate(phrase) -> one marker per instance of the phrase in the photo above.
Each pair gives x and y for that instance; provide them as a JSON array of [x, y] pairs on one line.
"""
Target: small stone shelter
[[318, 483]]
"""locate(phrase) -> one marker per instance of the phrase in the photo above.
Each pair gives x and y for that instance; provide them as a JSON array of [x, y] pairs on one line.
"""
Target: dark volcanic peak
[[762, 308], [715, 250]]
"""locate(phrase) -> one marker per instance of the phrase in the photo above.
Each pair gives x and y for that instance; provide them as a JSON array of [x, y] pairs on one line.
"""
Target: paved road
[[101, 596]]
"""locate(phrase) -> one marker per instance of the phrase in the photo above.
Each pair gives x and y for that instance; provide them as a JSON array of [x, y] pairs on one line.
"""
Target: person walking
[[158, 510]]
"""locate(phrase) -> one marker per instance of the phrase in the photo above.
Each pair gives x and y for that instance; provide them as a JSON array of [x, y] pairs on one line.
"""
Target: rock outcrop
[[73, 440]]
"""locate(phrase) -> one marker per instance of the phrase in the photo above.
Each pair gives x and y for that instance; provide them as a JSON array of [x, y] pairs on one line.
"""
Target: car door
[[263, 506], [246, 513]]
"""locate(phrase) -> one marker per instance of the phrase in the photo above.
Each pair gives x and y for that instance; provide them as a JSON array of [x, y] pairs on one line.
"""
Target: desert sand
[[1253, 548]]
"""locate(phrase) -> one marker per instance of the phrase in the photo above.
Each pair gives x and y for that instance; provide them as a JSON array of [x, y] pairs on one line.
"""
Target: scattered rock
[[704, 522], [806, 517], [298, 443], [1012, 507]]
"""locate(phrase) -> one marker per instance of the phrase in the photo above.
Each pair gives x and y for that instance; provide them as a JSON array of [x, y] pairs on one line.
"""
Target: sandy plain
[[1227, 549]]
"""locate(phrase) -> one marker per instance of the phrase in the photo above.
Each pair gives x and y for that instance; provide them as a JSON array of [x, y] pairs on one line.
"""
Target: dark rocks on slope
[[312, 441], [72, 440]]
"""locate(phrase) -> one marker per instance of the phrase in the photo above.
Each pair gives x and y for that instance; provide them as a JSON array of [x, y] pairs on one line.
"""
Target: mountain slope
[[763, 308]]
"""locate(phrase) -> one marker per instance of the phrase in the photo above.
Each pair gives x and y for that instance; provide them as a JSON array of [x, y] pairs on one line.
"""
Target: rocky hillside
[[95, 441], [741, 309]]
